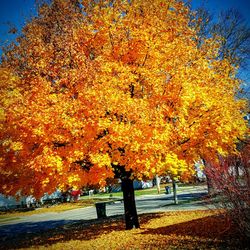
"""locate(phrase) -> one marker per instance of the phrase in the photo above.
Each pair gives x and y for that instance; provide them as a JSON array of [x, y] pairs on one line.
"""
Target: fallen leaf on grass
[[171, 230]]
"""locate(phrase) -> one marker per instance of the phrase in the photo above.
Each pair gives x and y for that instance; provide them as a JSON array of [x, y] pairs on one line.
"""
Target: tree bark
[[210, 188], [208, 168], [158, 181], [131, 217], [175, 192]]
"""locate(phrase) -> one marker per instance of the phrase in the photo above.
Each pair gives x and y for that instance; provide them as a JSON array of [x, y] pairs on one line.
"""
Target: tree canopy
[[233, 30], [98, 89]]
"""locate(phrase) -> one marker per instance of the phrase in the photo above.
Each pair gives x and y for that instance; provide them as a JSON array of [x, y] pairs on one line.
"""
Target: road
[[188, 200]]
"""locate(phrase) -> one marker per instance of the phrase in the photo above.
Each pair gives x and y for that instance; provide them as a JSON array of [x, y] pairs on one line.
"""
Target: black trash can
[[101, 210], [168, 190]]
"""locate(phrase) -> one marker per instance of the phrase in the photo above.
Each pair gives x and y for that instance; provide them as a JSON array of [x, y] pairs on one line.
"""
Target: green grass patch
[[148, 191]]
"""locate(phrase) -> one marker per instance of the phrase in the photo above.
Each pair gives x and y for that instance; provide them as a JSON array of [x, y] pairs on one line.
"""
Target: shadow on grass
[[208, 229], [50, 232], [211, 228]]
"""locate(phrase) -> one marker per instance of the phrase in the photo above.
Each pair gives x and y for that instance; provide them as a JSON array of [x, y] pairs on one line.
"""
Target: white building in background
[[199, 170], [7, 202], [10, 202]]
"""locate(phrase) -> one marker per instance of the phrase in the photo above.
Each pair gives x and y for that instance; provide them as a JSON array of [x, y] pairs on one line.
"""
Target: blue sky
[[217, 5], [17, 11]]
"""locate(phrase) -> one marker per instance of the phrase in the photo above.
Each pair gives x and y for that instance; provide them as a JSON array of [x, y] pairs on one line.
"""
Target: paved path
[[188, 200]]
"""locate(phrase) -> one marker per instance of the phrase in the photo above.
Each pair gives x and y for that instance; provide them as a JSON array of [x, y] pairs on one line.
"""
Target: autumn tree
[[232, 29], [102, 89], [233, 32]]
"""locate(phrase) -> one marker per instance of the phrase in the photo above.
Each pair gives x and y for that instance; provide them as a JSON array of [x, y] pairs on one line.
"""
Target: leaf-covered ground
[[171, 230]]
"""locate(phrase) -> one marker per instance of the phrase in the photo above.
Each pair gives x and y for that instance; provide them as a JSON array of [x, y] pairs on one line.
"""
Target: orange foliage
[[104, 85]]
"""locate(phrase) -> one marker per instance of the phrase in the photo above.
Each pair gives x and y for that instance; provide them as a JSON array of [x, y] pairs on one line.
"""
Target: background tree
[[231, 27], [233, 33], [96, 90], [229, 176]]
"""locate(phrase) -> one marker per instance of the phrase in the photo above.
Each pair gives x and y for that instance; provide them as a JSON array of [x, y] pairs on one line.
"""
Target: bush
[[230, 178]]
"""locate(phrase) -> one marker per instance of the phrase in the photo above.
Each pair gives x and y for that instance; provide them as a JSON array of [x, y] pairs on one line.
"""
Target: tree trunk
[[210, 186], [131, 217], [175, 192], [158, 181]]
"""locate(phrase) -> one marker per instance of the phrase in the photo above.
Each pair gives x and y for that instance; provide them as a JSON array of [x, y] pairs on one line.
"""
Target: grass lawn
[[170, 230], [149, 191]]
